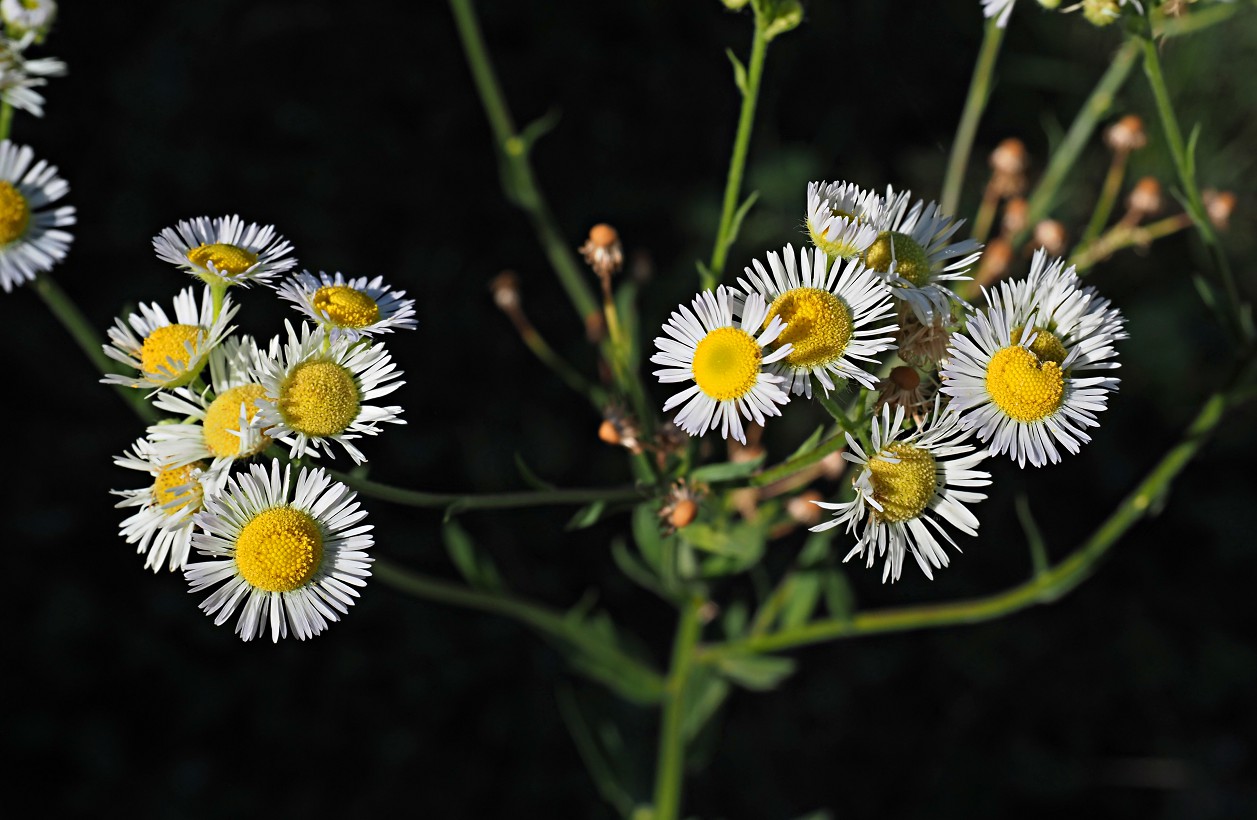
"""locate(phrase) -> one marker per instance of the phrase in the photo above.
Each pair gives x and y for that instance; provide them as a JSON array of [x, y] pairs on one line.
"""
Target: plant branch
[[458, 502], [669, 774]]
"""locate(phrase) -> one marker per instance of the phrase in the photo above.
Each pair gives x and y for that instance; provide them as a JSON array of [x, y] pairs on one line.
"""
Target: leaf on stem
[[587, 516], [530, 478], [539, 127], [705, 691], [759, 673], [735, 224], [726, 470], [739, 71], [635, 570], [1034, 536], [472, 563], [594, 751]]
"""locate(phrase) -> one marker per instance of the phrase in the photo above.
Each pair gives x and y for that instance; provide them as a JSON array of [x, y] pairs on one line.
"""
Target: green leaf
[[759, 673], [1190, 159], [539, 127], [735, 224], [630, 687], [647, 536], [530, 478], [475, 566], [809, 444], [726, 470], [587, 516], [634, 569], [626, 307], [734, 620], [739, 71], [1207, 294], [733, 550], [705, 691], [816, 549], [599, 760], [839, 597], [802, 596]]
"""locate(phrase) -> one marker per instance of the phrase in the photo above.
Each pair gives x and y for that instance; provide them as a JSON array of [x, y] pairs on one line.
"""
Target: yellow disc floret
[[909, 257], [904, 489], [280, 549], [170, 343], [1046, 345], [226, 258], [1024, 387], [222, 422], [178, 488], [831, 239], [727, 363], [818, 324], [319, 398], [15, 213], [346, 306]]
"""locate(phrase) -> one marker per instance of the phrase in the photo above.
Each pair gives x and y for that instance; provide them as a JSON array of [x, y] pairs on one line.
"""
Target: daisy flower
[[286, 556], [317, 391], [838, 218], [33, 17], [351, 308], [225, 250], [30, 239], [162, 527], [1016, 374], [915, 252], [726, 364], [835, 316], [168, 354], [19, 77], [907, 484], [998, 8], [224, 424]]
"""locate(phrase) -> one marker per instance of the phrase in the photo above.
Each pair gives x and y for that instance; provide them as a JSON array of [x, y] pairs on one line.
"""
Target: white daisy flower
[[835, 316], [1014, 375], [998, 8], [726, 364], [838, 218], [19, 77], [915, 252], [286, 556], [28, 17], [30, 239], [223, 424], [317, 391], [162, 527], [349, 307], [906, 485], [225, 250], [168, 354]]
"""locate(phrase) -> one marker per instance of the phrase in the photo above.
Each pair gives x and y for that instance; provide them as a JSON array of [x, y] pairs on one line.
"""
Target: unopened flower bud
[[683, 514], [608, 433], [1145, 197], [505, 288], [1126, 135], [1009, 162], [1050, 235], [1219, 205], [802, 508], [603, 251], [1015, 211]]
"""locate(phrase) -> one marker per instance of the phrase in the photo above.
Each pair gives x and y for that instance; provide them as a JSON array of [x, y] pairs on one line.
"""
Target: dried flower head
[[1145, 198], [1126, 135], [995, 261], [1219, 205], [1014, 220], [620, 428], [680, 506], [1009, 163], [1050, 235], [603, 251]]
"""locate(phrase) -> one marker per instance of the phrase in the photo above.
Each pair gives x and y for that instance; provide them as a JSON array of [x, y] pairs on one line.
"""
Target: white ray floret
[[907, 487], [349, 307], [838, 217], [225, 250], [724, 361], [289, 557], [19, 77], [317, 391], [836, 317], [31, 239], [998, 8], [167, 353], [162, 527]]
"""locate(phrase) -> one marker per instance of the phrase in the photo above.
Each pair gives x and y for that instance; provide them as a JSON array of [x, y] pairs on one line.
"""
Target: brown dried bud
[[607, 432], [505, 288], [1050, 235], [996, 260], [802, 507], [602, 251], [905, 378], [1126, 135], [1014, 221], [1219, 205], [683, 514], [1009, 162], [1144, 198]]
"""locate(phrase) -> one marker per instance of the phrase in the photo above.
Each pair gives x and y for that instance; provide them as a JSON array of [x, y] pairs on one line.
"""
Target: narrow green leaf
[[809, 444], [1190, 159], [476, 567], [587, 516], [1207, 294], [735, 224], [647, 536], [803, 595], [626, 307], [1034, 536], [634, 569], [726, 470], [705, 276], [816, 549], [734, 620], [539, 127], [530, 478], [758, 673], [739, 71], [704, 693], [839, 597], [598, 761]]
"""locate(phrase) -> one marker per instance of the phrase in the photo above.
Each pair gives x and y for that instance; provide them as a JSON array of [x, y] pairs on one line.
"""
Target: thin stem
[[458, 502], [80, 329], [1045, 587], [737, 162], [1123, 236], [6, 120], [670, 768], [975, 103], [799, 463], [986, 214], [1108, 195]]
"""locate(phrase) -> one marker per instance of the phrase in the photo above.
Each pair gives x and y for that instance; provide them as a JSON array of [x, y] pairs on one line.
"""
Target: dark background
[[355, 129]]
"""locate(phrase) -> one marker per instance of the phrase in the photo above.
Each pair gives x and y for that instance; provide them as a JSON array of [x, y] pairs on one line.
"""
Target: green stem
[[737, 162], [799, 463], [670, 769], [975, 103], [487, 501], [1121, 236], [1046, 586], [1108, 195], [549, 623], [81, 331], [6, 120]]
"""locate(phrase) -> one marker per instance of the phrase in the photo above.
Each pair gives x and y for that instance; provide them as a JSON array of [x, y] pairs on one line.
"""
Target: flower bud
[[1126, 135], [1101, 12], [608, 433], [1145, 197], [683, 514], [1050, 235], [603, 251], [1219, 205]]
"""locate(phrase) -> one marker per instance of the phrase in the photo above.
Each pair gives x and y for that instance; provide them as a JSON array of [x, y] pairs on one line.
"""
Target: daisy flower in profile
[[1017, 374], [915, 252], [908, 486], [225, 250], [835, 316], [998, 8], [223, 424], [31, 241], [28, 17], [725, 362], [349, 307], [19, 77], [317, 391], [162, 526], [838, 218], [168, 354], [288, 557]]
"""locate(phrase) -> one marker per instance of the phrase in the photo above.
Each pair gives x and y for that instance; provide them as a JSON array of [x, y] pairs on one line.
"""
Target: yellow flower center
[[726, 363], [904, 489], [172, 342], [346, 307], [1046, 345], [222, 422], [833, 246], [280, 549], [1024, 387], [15, 213], [909, 257], [227, 259], [319, 398], [818, 324], [177, 484]]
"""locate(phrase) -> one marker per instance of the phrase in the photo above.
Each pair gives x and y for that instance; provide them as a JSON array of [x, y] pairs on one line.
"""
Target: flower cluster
[[1024, 376], [280, 540]]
